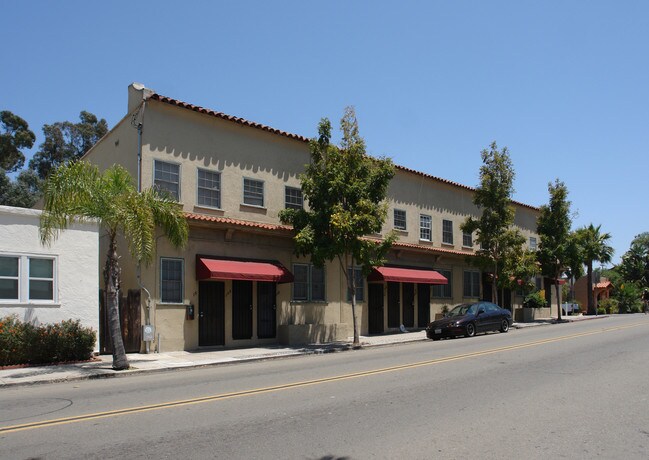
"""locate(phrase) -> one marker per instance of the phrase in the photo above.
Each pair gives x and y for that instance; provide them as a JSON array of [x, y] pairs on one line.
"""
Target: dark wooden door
[[375, 308], [394, 308], [130, 322], [423, 305], [241, 310], [408, 290], [266, 310], [211, 313]]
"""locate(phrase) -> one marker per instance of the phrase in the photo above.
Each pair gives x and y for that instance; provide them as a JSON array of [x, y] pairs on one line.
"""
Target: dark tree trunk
[[111, 278], [351, 282], [557, 291], [591, 300]]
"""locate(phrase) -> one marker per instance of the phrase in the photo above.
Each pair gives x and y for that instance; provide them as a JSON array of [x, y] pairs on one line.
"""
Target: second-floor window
[[532, 243], [400, 219], [209, 188], [166, 178], [467, 240], [253, 192], [447, 232], [425, 228], [293, 198]]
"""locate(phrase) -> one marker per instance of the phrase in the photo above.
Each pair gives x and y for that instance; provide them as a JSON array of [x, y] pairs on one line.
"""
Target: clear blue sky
[[563, 84]]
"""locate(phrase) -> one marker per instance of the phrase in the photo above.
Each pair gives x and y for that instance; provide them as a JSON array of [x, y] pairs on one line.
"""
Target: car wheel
[[504, 327], [470, 330], [435, 339]]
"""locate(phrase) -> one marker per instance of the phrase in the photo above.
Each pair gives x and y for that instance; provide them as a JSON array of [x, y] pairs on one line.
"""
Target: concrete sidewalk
[[140, 363]]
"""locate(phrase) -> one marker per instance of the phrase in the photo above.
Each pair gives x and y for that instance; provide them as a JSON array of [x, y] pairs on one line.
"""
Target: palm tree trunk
[[111, 278], [591, 300]]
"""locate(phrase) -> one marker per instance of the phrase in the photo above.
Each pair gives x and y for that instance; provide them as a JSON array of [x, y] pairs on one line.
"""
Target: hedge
[[24, 343]]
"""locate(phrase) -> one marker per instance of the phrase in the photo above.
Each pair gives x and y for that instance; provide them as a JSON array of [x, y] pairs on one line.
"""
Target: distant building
[[48, 284], [238, 282], [602, 288]]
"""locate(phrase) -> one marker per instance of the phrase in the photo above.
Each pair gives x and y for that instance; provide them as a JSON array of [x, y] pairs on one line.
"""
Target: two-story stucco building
[[238, 281]]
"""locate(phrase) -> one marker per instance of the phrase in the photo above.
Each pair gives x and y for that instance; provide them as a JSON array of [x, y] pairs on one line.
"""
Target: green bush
[[608, 306], [534, 300], [24, 343]]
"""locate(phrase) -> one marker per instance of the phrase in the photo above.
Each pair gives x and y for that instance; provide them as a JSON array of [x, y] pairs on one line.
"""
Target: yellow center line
[[287, 386]]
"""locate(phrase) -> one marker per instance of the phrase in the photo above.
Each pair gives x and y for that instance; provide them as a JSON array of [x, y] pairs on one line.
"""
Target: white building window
[[447, 231], [308, 283], [209, 189], [171, 280], [471, 283], [27, 279], [532, 243], [166, 178], [400, 219], [293, 198], [467, 240], [425, 228], [253, 192]]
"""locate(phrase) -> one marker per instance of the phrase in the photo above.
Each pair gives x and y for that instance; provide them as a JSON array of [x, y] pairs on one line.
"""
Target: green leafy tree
[[574, 265], [494, 229], [553, 227], [594, 247], [346, 191], [66, 141], [635, 262], [78, 191], [15, 135], [519, 270], [23, 192]]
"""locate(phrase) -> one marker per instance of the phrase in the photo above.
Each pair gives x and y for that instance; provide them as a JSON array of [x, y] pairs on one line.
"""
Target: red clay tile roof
[[237, 222], [252, 124], [602, 285]]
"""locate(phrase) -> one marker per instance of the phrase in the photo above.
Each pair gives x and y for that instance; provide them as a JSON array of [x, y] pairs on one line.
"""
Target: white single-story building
[[48, 284]]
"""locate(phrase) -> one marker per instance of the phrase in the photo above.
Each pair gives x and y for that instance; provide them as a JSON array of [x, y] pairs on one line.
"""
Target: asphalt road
[[577, 390]]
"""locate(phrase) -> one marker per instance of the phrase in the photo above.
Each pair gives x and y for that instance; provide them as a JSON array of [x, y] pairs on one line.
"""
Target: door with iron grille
[[241, 310], [266, 310], [394, 307], [211, 313], [375, 308], [408, 290], [423, 305]]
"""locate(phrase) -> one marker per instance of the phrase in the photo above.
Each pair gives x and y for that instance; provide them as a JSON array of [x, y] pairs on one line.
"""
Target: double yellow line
[[288, 386]]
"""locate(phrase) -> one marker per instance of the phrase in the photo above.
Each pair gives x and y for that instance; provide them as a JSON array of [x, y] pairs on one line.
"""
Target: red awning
[[219, 269], [406, 275]]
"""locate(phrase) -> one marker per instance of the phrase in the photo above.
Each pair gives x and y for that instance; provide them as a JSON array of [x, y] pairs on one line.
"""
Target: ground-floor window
[[471, 283], [171, 280], [308, 283], [360, 285], [443, 291], [25, 279]]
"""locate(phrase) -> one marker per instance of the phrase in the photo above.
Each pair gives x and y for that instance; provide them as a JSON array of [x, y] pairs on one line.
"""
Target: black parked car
[[470, 318]]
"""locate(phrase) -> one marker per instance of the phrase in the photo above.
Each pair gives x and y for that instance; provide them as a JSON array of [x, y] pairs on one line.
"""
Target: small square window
[[166, 178], [253, 192], [293, 198], [209, 188], [447, 232], [400, 219], [425, 227]]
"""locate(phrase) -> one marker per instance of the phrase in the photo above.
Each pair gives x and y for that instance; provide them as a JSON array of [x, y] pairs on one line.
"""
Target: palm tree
[[78, 191], [593, 247]]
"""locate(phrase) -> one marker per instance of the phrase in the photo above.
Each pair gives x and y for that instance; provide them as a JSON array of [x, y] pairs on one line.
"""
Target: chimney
[[137, 93]]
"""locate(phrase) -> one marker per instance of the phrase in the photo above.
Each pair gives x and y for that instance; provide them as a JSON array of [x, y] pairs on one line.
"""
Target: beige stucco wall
[[76, 268]]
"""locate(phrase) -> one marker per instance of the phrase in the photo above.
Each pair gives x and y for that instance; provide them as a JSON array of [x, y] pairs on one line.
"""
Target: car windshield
[[462, 310]]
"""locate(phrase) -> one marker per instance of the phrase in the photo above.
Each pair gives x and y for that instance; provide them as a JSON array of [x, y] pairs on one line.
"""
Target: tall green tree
[[15, 135], [66, 141], [78, 191], [635, 262], [594, 247], [553, 227], [495, 233], [23, 192], [346, 191]]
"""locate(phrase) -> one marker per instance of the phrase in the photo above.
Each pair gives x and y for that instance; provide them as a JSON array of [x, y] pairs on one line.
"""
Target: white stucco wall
[[76, 268]]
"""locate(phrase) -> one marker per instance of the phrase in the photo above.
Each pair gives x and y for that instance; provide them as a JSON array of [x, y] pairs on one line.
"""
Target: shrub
[[534, 300], [609, 306], [24, 343]]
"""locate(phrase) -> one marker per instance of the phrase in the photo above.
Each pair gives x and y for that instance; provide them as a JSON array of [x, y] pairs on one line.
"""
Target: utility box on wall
[[148, 333]]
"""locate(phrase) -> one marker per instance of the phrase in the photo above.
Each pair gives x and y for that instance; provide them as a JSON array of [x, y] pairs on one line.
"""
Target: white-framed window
[[209, 188], [28, 279], [467, 240], [532, 243], [471, 283], [172, 280], [293, 198], [308, 283], [425, 227], [447, 231], [166, 178], [400, 219], [360, 284], [443, 291], [253, 192]]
